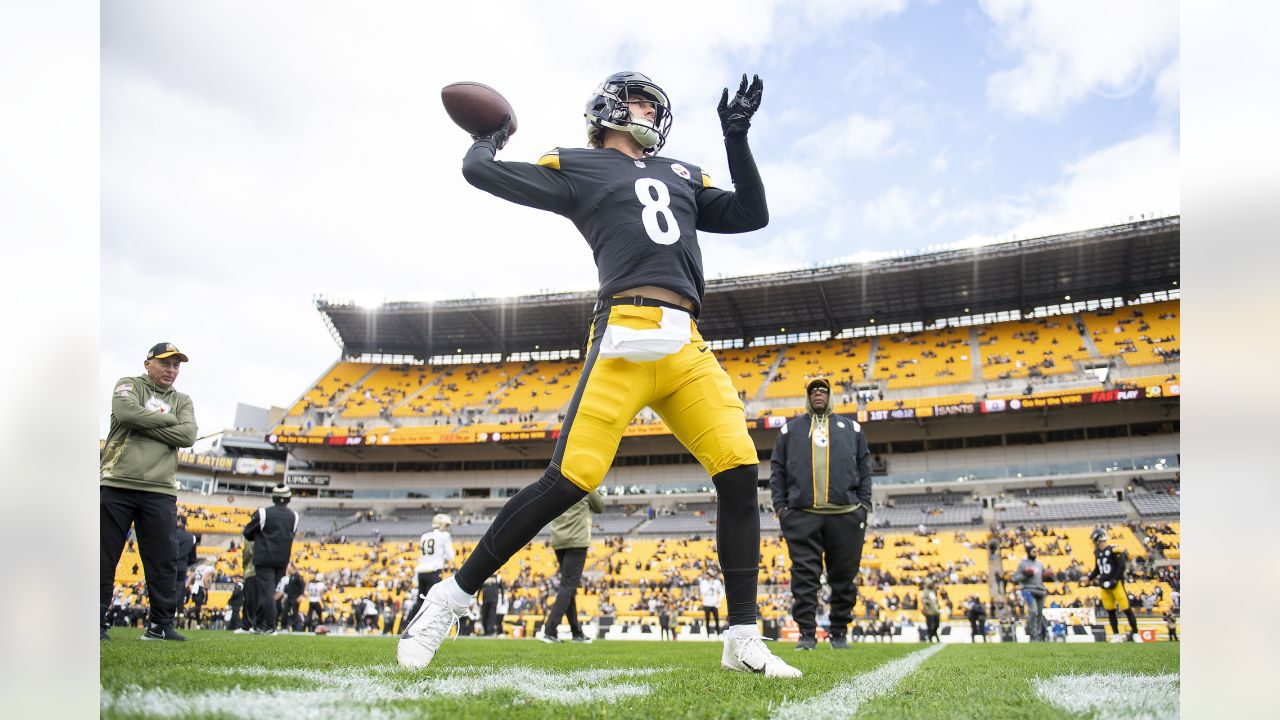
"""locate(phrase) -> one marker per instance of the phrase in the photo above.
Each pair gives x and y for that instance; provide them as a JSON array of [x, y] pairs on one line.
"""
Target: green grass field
[[220, 675]]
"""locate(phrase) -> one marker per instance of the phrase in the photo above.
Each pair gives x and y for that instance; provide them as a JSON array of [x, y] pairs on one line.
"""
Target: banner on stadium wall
[[307, 479], [255, 466], [210, 462]]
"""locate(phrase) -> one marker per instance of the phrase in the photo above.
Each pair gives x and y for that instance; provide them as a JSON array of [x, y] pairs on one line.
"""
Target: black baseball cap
[[163, 350], [822, 382]]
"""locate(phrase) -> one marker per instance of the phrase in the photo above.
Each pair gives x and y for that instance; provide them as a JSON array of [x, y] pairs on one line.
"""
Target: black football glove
[[497, 137], [735, 114]]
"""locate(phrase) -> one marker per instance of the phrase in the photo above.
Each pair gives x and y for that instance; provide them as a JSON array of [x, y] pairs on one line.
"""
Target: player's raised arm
[[539, 186], [744, 209]]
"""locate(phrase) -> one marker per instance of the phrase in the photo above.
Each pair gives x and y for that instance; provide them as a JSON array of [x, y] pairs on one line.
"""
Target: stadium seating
[[840, 361], [1140, 334], [340, 378], [545, 386], [1017, 349], [933, 357], [748, 368]]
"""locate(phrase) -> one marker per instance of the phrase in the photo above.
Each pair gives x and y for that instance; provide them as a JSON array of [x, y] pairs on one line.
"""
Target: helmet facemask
[[608, 108]]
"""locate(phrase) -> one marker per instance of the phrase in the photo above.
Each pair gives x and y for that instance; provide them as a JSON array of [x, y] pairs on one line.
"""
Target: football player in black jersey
[[1108, 574], [639, 213]]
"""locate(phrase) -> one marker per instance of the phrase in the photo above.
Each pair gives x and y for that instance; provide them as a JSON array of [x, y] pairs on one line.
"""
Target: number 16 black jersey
[[640, 216]]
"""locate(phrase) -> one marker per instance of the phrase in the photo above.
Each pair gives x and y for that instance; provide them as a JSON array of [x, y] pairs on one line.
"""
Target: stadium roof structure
[[1119, 261]]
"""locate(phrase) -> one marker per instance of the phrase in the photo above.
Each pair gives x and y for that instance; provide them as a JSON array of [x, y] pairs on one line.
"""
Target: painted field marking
[[370, 689], [843, 700], [1114, 696]]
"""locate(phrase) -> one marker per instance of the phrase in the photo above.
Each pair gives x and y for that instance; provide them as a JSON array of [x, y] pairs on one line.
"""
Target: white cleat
[[429, 627], [749, 654]]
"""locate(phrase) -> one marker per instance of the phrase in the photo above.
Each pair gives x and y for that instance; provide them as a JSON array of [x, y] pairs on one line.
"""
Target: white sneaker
[[428, 628], [749, 654]]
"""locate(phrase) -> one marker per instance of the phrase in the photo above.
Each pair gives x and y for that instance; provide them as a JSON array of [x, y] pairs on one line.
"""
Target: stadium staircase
[[869, 372], [409, 397], [1086, 336], [340, 402], [771, 373], [975, 354]]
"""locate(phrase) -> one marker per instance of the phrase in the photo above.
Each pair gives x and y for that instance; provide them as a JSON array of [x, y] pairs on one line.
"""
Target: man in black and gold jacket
[[821, 483]]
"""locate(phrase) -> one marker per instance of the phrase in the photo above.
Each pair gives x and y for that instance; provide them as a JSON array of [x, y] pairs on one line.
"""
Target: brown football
[[476, 108]]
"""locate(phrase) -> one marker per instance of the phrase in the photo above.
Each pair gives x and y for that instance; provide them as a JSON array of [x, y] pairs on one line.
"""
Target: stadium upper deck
[[1024, 322], [1123, 261]]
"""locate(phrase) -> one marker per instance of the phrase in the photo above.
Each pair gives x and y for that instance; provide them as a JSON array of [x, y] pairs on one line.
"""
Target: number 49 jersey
[[640, 216], [437, 551]]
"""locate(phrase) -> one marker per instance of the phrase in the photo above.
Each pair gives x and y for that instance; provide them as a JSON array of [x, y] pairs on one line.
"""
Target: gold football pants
[[1115, 597], [687, 389]]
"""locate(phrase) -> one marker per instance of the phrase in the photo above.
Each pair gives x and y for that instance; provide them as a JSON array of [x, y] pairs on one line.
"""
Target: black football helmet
[[1098, 535], [607, 108]]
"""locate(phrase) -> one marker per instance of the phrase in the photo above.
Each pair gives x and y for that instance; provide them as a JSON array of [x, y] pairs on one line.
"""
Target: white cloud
[[1107, 187], [854, 136], [1066, 50], [897, 209], [940, 161]]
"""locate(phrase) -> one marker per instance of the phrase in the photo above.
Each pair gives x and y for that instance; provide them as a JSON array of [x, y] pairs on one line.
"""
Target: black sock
[[1133, 621], [1115, 622], [527, 512], [738, 540]]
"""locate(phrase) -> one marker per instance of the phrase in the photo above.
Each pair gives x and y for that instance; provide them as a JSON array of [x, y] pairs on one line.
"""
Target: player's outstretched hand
[[735, 114], [498, 137]]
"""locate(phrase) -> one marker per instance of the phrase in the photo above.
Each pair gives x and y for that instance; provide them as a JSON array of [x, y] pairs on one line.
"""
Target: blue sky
[[254, 155]]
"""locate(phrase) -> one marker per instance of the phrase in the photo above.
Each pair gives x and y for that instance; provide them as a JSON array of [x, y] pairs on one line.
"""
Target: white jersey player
[[436, 546]]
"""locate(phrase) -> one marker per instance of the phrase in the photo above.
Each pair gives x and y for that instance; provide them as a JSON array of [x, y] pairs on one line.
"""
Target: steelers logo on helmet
[[608, 108]]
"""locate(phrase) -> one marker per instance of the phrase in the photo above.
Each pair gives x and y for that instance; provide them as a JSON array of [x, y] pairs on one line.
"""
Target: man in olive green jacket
[[139, 485], [570, 538]]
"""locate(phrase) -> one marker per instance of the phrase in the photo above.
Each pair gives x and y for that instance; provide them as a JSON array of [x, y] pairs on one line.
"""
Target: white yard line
[[336, 692], [1114, 696], [843, 700]]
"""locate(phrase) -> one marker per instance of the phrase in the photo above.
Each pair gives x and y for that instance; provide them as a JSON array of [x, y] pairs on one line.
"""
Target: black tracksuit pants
[[566, 605], [810, 537], [153, 516], [266, 577]]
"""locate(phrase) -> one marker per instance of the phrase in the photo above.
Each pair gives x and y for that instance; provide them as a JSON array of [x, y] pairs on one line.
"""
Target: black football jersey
[[1110, 566], [639, 216]]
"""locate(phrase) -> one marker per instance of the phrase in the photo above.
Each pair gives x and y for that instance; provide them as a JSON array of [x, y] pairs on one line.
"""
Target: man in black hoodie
[[821, 483], [272, 531]]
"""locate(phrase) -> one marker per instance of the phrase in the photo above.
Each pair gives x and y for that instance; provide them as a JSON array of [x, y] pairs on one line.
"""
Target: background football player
[[639, 213], [436, 546], [1108, 575]]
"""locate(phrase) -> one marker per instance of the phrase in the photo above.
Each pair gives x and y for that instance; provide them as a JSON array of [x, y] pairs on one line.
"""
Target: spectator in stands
[[150, 420], [711, 590], [570, 538], [271, 530], [821, 489], [645, 348]]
